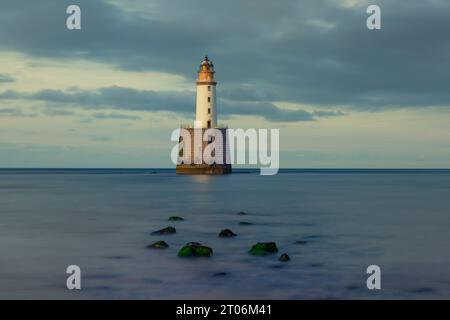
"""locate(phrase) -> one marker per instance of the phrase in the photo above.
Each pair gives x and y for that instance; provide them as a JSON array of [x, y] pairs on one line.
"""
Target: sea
[[333, 223]]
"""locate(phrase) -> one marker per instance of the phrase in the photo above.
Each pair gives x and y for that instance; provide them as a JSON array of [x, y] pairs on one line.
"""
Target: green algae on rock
[[227, 233], [193, 250], [167, 230], [176, 218], [263, 248], [158, 245]]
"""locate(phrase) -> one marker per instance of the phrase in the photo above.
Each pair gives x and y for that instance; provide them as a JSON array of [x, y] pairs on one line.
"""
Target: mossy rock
[[195, 251], [167, 230], [176, 218], [227, 233], [284, 257], [158, 245], [263, 248]]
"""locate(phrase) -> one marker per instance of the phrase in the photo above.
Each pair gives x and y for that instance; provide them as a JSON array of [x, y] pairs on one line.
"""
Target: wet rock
[[284, 257], [220, 274], [245, 223], [242, 213], [227, 233], [263, 248], [193, 244], [301, 242], [176, 218], [194, 250], [167, 230], [158, 245]]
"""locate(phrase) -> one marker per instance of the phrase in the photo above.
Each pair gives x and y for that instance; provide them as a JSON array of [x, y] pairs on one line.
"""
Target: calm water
[[101, 220]]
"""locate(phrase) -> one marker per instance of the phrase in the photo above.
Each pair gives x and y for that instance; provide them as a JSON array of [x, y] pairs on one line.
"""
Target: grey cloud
[[5, 78], [118, 116], [9, 94], [311, 51], [118, 97], [58, 112], [172, 101], [16, 112], [96, 138]]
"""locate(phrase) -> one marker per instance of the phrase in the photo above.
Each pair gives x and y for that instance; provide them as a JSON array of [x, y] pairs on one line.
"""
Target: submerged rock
[[176, 218], [263, 248], [194, 250], [284, 257], [167, 230], [158, 245], [245, 223], [227, 233], [242, 213], [220, 274], [193, 244], [301, 242]]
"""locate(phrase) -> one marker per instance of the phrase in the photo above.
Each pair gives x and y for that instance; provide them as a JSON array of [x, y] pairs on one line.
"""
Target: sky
[[110, 94]]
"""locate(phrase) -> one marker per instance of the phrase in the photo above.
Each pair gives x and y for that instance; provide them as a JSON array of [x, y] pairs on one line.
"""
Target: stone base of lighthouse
[[217, 169], [197, 164]]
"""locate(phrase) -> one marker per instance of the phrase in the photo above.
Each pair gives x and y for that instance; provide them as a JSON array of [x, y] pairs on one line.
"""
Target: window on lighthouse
[[209, 110], [209, 88], [209, 99]]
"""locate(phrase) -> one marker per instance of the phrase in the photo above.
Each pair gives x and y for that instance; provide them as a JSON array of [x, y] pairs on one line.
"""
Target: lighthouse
[[206, 95], [204, 148]]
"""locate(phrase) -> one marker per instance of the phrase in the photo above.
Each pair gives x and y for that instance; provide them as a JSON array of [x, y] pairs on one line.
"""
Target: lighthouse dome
[[206, 64]]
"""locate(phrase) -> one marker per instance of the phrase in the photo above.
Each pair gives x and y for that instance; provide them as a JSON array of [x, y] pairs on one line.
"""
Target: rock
[[245, 223], [176, 218], [167, 230], [242, 213], [301, 242], [193, 244], [220, 274], [158, 245], [194, 250], [263, 248], [284, 258], [227, 233]]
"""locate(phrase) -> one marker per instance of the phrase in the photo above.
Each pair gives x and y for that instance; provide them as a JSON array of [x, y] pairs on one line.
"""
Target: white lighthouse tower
[[206, 95], [206, 121]]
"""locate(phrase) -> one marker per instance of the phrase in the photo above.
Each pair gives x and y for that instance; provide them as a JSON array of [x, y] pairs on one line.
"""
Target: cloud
[[315, 52], [96, 138], [4, 78], [115, 116], [9, 94], [16, 112], [129, 99]]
